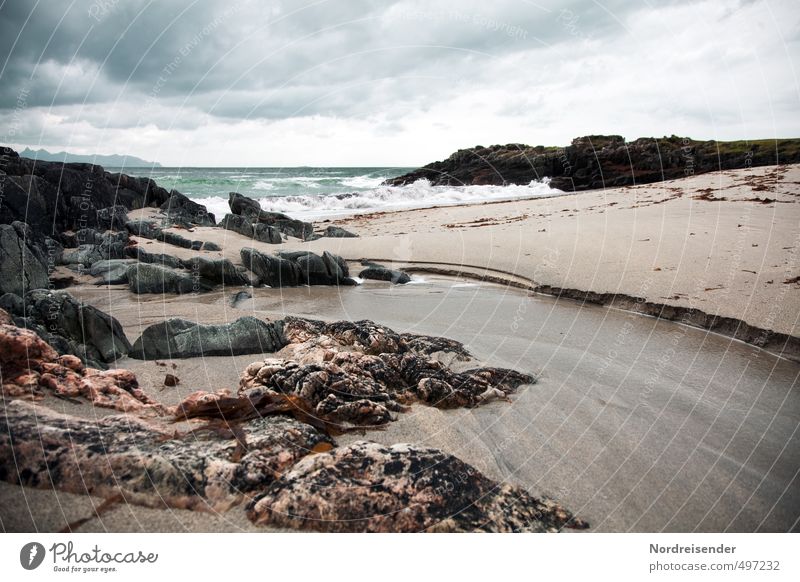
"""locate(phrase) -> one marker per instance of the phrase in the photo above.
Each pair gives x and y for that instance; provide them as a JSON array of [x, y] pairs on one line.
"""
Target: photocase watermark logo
[[31, 555]]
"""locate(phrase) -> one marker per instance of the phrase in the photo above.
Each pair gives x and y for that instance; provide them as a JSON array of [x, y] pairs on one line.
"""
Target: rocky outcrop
[[151, 278], [255, 230], [31, 368], [23, 263], [338, 232], [94, 246], [220, 271], [148, 462], [368, 487], [360, 373], [74, 327], [164, 260], [179, 338], [269, 449], [180, 210], [601, 161], [297, 268], [248, 208], [54, 197], [273, 271], [380, 273]]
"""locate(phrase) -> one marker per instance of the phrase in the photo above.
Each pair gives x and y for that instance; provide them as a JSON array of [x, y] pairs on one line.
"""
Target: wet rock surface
[[380, 273], [360, 373], [270, 450]]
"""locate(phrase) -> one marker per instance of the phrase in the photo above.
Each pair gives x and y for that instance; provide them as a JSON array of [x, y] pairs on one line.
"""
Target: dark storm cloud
[[269, 59]]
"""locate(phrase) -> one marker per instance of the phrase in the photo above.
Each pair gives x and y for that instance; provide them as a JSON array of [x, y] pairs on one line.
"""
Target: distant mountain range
[[114, 160]]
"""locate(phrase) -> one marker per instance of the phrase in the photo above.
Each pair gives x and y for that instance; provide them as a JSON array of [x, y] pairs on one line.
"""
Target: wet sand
[[637, 424]]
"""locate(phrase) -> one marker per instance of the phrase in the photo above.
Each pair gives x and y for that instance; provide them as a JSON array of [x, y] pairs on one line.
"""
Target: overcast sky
[[362, 82]]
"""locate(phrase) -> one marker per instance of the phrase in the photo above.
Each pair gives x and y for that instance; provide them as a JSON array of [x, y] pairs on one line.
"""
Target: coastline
[[732, 274]]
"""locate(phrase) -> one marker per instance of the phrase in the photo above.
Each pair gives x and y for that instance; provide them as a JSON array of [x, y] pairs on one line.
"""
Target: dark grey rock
[[143, 256], [94, 334], [273, 271], [23, 262], [338, 232], [380, 273], [112, 272], [13, 304], [179, 338], [150, 278], [216, 270], [180, 209], [210, 246], [258, 231], [144, 228], [173, 238], [113, 217], [236, 298], [249, 208]]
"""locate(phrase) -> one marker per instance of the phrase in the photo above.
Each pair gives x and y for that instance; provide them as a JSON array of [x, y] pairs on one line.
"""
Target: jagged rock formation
[[367, 487], [361, 373], [271, 452], [146, 461], [73, 327], [250, 210], [152, 278], [297, 268], [53, 197], [601, 161]]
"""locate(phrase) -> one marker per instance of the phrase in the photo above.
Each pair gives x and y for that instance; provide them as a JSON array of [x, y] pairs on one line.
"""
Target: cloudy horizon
[[366, 83]]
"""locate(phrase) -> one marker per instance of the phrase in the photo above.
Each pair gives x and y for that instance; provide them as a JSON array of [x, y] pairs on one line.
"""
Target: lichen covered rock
[[368, 487], [145, 461]]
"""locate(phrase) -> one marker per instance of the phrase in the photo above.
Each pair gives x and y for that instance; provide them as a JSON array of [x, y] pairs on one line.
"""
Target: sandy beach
[[635, 423]]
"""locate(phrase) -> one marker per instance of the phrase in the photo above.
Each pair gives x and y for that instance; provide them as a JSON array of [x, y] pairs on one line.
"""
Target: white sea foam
[[420, 194]]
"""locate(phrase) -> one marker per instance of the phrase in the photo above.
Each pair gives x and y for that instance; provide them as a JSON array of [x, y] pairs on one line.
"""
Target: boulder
[[216, 270], [113, 217], [210, 246], [247, 207], [173, 238], [180, 209], [179, 338], [143, 256], [23, 261], [257, 231], [13, 304], [338, 232], [92, 335], [380, 273], [114, 272], [144, 228], [150, 278], [273, 271], [325, 270]]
